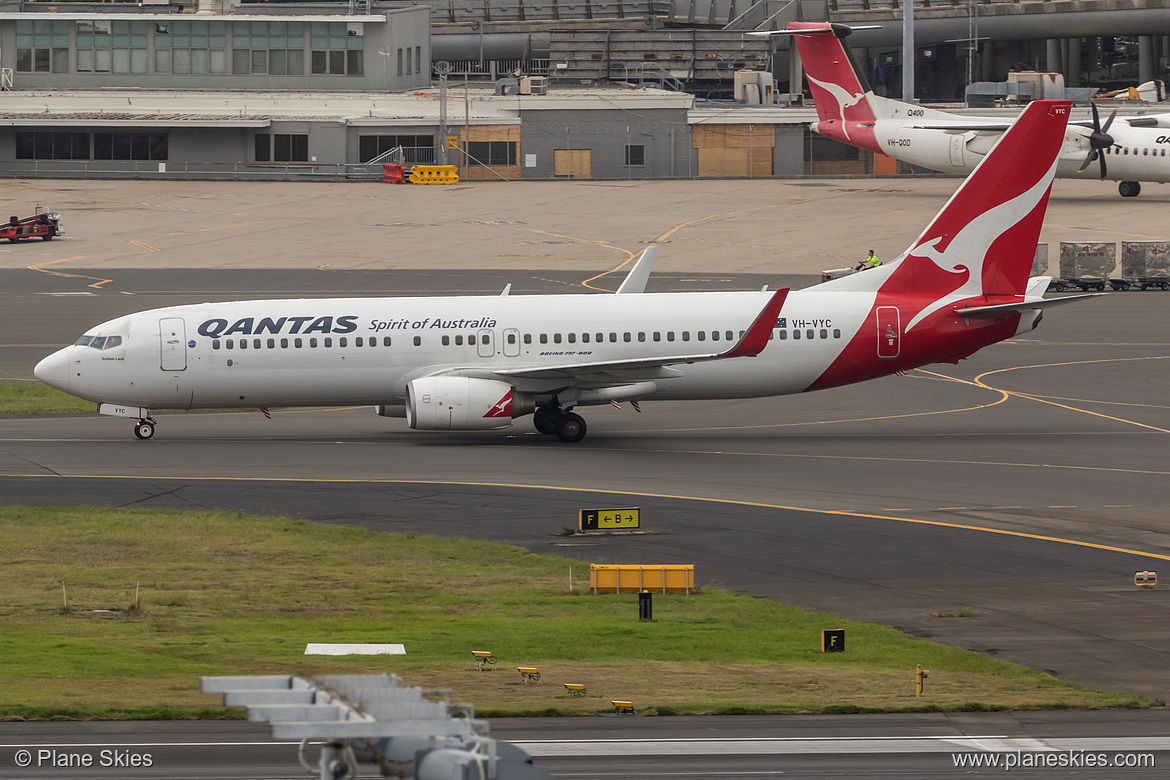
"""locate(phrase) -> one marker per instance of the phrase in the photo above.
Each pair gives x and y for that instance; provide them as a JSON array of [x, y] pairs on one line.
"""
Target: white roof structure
[[174, 108]]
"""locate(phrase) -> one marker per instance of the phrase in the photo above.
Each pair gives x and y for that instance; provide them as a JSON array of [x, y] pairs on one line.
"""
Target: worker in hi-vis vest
[[869, 262]]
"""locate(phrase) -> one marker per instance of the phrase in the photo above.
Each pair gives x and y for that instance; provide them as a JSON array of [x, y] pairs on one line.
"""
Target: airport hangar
[[326, 90]]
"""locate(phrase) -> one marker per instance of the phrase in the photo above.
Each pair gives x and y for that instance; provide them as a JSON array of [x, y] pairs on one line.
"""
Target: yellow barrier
[[434, 174], [671, 578]]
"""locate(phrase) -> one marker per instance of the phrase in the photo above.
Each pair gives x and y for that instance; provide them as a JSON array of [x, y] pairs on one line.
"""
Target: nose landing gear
[[555, 421], [144, 428]]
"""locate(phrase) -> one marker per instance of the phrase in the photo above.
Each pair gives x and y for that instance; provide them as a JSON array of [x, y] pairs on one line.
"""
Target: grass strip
[[35, 398], [228, 593]]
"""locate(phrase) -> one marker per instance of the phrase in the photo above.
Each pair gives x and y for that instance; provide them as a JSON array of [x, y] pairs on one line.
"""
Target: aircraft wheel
[[545, 419], [572, 428], [144, 429], [1129, 189]]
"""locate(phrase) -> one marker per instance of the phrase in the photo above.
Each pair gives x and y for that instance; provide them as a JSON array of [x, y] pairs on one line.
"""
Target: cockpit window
[[99, 342]]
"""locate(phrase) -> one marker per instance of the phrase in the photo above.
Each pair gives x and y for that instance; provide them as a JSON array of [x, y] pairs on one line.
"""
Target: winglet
[[636, 279], [757, 336]]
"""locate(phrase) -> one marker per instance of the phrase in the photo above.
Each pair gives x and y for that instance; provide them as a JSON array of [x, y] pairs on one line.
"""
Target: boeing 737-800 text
[[474, 363]]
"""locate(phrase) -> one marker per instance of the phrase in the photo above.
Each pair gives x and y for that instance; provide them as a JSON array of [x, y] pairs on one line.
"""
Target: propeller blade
[[1104, 170], [1108, 121], [1096, 118], [1088, 161]]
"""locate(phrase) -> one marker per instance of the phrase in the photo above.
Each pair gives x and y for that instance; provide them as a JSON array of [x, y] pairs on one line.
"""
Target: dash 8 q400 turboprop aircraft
[[1129, 150], [472, 363]]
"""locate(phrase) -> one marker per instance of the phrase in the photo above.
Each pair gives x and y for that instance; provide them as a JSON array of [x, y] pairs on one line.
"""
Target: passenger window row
[[809, 333], [328, 342], [298, 343], [1125, 150], [628, 337]]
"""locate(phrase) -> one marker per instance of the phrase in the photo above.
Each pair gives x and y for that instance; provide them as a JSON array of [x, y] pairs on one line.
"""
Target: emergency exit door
[[889, 332], [486, 346], [955, 149], [172, 333]]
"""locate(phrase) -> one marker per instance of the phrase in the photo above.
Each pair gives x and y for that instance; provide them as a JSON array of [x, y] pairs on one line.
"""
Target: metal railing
[[240, 171], [494, 69]]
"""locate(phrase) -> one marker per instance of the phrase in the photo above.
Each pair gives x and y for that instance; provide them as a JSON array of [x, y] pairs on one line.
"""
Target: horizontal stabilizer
[[840, 30], [1004, 309]]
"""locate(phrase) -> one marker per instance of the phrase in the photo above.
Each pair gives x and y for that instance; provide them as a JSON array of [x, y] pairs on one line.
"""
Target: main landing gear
[[144, 428], [1129, 189], [555, 421]]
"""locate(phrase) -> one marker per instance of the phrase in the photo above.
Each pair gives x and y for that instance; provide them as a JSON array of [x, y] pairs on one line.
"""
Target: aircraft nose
[[54, 370]]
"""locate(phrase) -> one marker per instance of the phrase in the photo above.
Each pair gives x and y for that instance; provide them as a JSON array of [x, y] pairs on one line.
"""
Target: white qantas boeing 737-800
[[473, 363]]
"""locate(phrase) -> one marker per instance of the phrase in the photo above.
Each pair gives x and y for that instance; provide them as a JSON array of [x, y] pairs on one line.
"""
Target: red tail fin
[[984, 240], [842, 105]]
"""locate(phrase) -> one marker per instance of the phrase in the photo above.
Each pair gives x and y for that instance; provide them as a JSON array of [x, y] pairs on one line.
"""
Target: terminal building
[[532, 89]]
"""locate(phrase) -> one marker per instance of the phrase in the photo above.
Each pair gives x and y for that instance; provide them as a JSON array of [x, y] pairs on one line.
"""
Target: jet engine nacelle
[[457, 403]]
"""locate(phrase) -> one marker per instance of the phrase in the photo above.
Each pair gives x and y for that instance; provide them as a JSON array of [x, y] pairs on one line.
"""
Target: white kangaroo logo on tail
[[844, 98], [967, 250]]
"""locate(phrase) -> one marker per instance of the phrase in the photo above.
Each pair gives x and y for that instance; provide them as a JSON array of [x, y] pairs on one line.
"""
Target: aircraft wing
[[636, 279], [752, 343], [991, 127]]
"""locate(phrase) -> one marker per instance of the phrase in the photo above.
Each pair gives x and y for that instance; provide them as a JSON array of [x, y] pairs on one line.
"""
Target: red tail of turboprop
[[842, 100]]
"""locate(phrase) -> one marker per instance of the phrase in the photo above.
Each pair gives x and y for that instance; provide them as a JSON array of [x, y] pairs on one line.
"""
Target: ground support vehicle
[[42, 224]]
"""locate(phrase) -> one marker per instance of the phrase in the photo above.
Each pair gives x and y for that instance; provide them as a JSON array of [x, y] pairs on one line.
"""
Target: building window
[[42, 46], [52, 146], [282, 147], [76, 146], [130, 146], [635, 154], [337, 48], [491, 153], [182, 46], [112, 46], [415, 148], [269, 48]]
